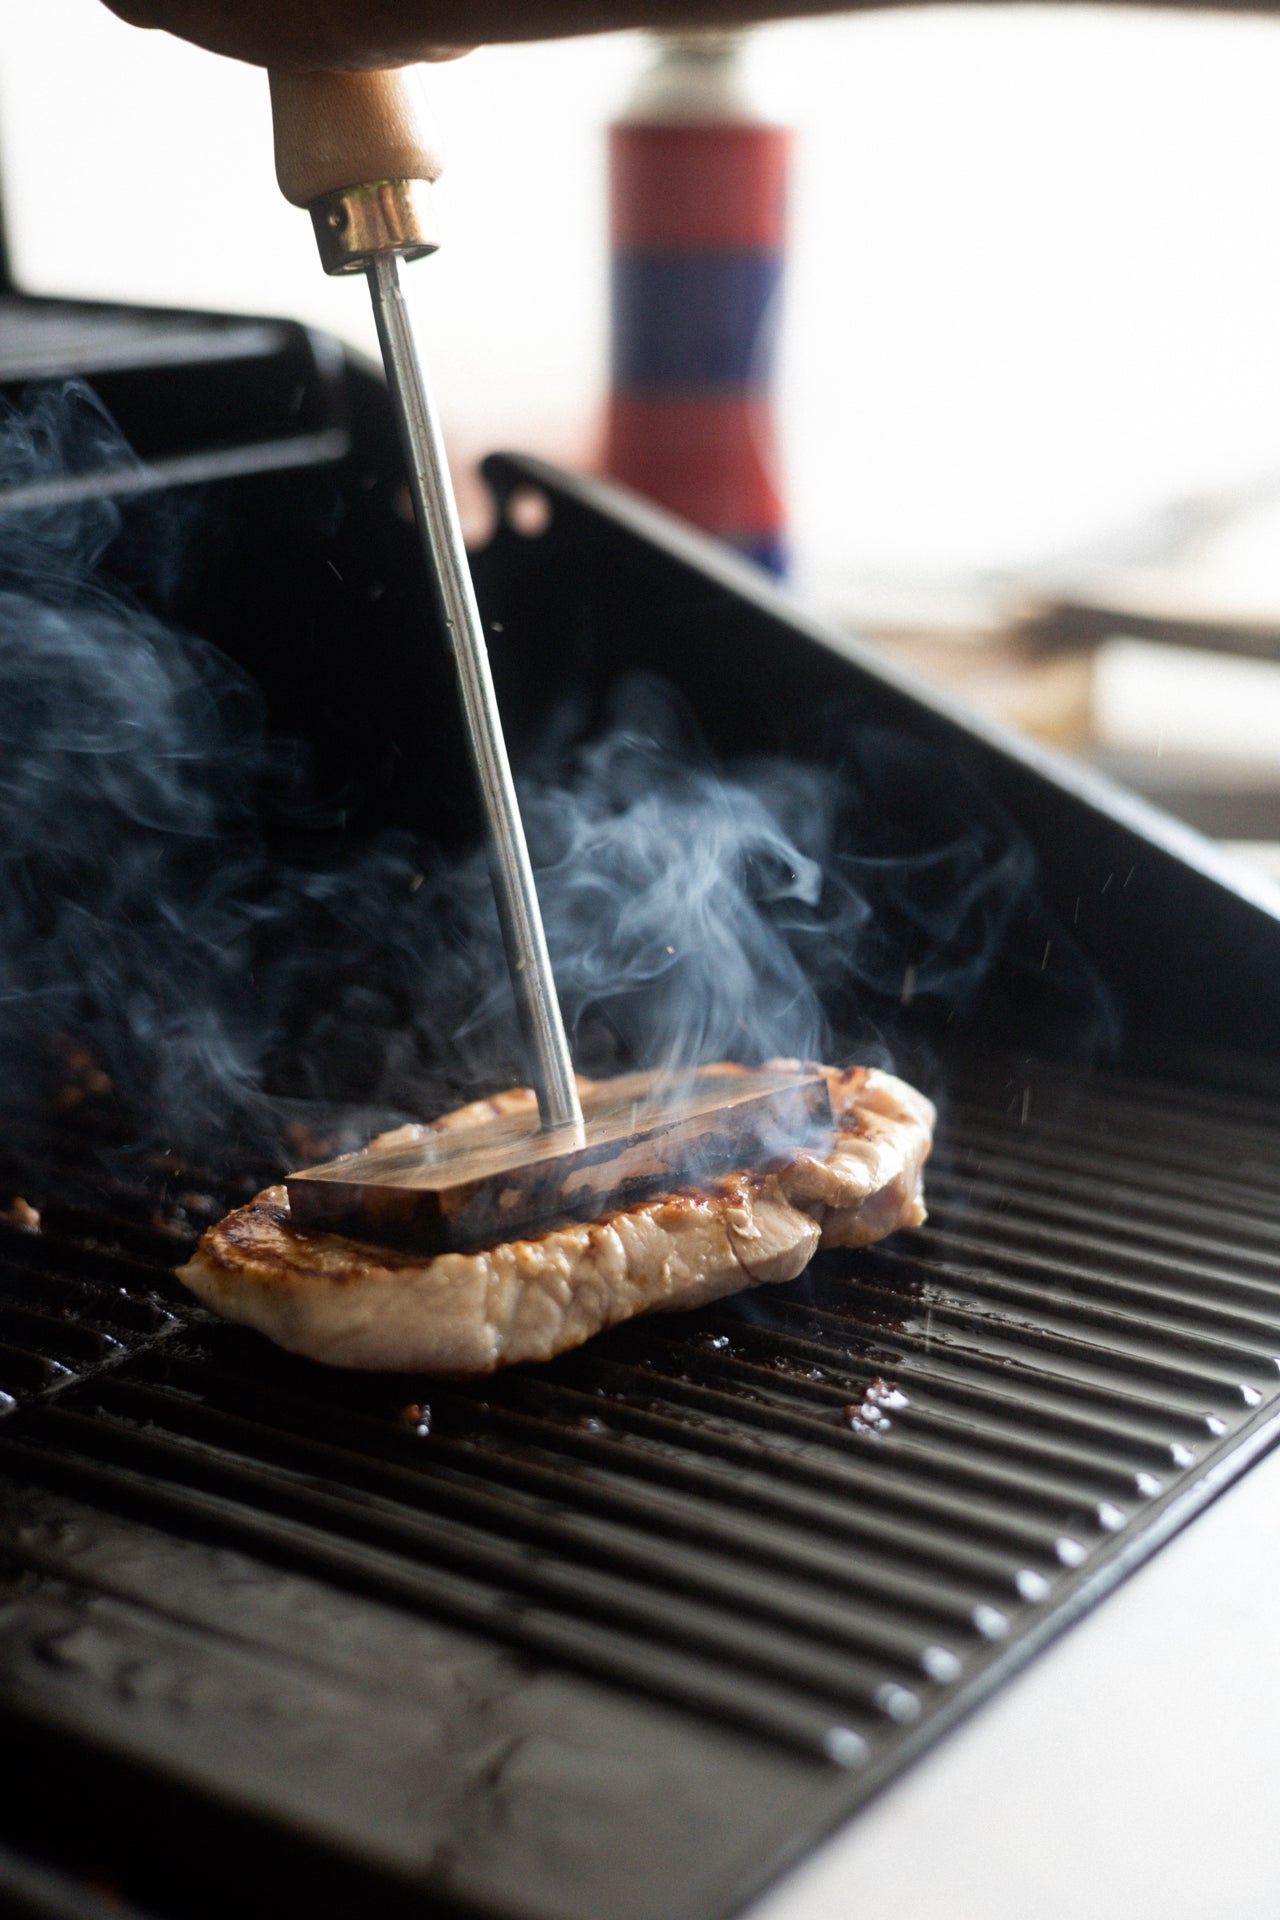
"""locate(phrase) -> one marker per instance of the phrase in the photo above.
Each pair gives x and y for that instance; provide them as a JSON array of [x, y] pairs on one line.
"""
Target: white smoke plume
[[150, 921]]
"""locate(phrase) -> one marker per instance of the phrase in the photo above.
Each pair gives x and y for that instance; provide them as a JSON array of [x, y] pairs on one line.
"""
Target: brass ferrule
[[357, 224]]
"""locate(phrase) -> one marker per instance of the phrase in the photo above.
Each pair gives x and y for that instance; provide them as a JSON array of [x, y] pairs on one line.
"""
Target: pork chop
[[349, 1303]]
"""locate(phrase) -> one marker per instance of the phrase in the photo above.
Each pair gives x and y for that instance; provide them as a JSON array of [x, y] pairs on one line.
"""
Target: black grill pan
[[617, 1636]]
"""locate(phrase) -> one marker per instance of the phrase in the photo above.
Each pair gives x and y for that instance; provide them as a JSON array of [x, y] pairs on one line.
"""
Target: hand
[[338, 34], [331, 35]]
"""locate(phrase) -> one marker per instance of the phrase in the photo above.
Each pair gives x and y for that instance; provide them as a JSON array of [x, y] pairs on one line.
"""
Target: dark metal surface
[[1180, 942], [612, 1637]]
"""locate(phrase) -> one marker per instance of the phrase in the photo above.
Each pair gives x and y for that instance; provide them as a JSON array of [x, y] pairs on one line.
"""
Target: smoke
[[699, 911], [138, 895], [152, 927]]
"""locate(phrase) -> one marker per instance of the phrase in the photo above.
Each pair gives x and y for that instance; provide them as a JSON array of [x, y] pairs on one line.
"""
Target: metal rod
[[509, 865]]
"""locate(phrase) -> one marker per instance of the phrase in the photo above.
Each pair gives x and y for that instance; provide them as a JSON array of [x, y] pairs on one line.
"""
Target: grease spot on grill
[[871, 1414], [866, 1418]]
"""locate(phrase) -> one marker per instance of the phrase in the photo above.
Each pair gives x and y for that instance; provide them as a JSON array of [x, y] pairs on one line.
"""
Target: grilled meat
[[351, 1304]]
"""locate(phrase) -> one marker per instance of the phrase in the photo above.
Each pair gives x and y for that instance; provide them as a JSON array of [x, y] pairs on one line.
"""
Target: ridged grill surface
[[739, 1565]]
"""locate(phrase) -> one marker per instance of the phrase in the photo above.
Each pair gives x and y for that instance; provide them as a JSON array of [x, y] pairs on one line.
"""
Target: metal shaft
[[509, 866]]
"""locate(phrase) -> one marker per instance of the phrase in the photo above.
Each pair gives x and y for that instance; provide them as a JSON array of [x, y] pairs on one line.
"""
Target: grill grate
[[611, 1637]]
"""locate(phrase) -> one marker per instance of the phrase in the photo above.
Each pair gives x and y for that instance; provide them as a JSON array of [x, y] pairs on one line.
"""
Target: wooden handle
[[340, 130]]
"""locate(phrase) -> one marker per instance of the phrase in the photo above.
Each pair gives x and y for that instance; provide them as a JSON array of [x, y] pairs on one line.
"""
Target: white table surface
[[1131, 1772]]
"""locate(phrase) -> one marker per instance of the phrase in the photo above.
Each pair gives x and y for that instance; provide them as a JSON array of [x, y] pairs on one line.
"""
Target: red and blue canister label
[[699, 229]]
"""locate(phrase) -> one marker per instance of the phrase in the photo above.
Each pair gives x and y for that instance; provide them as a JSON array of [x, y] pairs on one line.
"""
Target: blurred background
[[1029, 387]]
